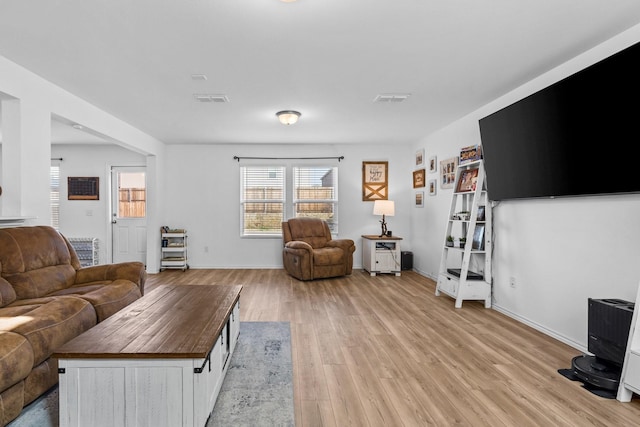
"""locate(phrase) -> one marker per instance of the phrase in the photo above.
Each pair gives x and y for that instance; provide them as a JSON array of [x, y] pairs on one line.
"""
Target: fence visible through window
[[132, 202]]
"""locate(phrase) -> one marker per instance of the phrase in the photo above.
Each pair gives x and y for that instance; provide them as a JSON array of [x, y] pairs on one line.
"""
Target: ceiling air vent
[[392, 97], [206, 97]]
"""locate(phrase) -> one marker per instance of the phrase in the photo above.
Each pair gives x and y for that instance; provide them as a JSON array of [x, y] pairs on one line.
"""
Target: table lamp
[[384, 207]]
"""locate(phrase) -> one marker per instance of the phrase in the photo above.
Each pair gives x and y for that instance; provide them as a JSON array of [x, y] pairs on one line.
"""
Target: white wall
[[203, 192], [560, 251], [90, 218]]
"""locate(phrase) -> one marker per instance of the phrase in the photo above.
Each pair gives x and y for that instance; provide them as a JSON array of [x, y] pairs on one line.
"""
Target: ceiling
[[328, 59]]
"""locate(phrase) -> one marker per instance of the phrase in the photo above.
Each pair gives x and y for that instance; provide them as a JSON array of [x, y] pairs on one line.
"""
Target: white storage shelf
[[465, 272], [174, 250]]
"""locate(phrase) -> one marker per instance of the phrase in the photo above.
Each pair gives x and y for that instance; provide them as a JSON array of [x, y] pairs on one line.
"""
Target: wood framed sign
[[83, 188], [375, 181]]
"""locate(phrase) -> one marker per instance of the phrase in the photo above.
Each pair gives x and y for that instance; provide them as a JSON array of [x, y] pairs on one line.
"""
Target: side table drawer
[[447, 285], [632, 376]]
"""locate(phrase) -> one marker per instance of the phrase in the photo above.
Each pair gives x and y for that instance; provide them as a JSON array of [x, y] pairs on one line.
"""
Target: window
[[262, 200], [266, 202], [54, 194], [315, 194], [132, 195]]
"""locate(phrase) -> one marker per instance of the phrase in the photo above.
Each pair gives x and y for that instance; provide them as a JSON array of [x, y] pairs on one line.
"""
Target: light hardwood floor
[[385, 351]]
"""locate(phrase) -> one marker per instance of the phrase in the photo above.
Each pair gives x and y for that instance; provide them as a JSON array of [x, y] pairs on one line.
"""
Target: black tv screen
[[576, 137]]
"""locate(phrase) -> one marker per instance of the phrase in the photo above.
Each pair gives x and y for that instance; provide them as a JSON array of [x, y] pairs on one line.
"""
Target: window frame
[[289, 200], [244, 201]]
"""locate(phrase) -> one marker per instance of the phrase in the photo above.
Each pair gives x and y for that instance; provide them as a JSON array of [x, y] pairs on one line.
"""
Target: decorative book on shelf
[[478, 238], [471, 153]]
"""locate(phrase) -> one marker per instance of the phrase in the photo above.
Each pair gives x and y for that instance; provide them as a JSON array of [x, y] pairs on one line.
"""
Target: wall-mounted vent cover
[[392, 97], [206, 97]]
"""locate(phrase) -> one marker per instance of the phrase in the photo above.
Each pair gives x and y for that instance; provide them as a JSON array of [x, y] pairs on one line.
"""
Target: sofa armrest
[[133, 271]]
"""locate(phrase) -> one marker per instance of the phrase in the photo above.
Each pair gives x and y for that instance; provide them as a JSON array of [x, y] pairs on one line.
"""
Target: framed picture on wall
[[420, 157], [419, 199], [433, 184], [375, 177], [448, 169], [433, 164], [418, 178], [83, 188]]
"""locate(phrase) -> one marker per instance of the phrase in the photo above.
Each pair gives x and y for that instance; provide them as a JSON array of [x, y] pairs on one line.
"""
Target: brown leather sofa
[[310, 252], [46, 299]]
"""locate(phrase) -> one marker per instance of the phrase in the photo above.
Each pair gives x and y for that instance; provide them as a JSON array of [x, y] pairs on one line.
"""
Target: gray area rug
[[257, 390]]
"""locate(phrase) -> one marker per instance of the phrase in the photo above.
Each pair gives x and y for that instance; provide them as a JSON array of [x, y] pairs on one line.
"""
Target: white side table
[[381, 254]]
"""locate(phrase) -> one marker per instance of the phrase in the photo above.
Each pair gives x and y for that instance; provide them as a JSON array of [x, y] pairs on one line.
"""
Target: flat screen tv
[[577, 137]]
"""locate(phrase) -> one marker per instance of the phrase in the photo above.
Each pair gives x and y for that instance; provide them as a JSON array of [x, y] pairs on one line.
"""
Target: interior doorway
[[128, 214]]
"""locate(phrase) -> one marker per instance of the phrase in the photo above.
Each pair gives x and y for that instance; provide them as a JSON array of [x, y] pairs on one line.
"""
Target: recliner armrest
[[133, 271], [298, 244], [347, 245]]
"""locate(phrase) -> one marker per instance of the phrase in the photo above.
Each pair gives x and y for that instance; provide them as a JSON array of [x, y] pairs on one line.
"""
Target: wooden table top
[[172, 321], [376, 237]]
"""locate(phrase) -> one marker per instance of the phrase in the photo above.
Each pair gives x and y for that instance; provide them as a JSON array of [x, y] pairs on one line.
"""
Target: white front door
[[128, 214]]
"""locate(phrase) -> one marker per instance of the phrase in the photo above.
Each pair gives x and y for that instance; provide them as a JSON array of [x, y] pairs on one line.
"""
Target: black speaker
[[407, 260]]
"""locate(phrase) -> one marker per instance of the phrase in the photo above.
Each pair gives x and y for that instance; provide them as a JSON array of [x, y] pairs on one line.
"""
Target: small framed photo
[[418, 178], [433, 164], [433, 185], [420, 158], [419, 199]]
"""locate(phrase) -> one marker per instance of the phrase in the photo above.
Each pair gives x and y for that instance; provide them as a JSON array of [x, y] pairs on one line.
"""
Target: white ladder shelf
[[465, 272]]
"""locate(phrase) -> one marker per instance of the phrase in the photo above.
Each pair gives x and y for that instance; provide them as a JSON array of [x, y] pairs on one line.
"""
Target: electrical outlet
[[512, 282]]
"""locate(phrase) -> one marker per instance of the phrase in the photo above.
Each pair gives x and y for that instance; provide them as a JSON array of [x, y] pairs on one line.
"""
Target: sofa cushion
[[16, 359], [47, 323], [41, 282], [309, 230], [328, 256], [7, 294], [35, 260], [106, 297], [12, 401]]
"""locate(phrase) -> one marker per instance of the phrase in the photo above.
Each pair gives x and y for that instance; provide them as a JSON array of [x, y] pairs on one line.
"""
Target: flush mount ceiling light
[[288, 117]]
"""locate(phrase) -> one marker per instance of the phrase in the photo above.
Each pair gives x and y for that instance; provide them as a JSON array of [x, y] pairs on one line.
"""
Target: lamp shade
[[384, 207]]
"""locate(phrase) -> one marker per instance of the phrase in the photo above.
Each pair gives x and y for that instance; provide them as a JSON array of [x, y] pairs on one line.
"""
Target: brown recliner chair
[[310, 253]]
